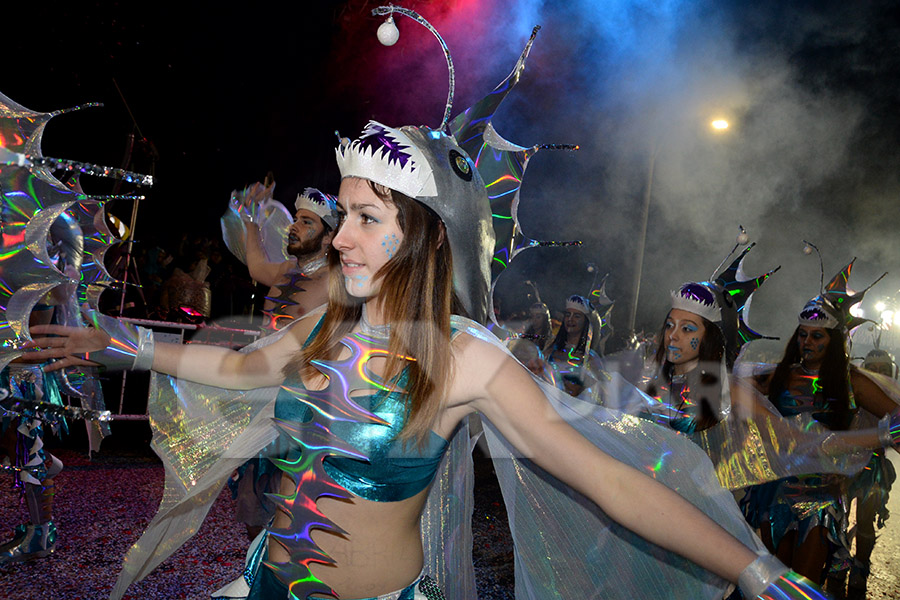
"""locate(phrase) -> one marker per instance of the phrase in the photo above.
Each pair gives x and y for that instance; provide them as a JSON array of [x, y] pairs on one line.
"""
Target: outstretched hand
[[69, 346]]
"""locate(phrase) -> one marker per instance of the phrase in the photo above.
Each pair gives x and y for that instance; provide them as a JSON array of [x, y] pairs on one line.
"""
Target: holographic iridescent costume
[[202, 433], [804, 502], [341, 446]]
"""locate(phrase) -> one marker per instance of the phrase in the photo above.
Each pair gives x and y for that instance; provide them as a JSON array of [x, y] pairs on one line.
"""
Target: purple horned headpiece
[[322, 204], [831, 308], [818, 312], [698, 298], [579, 303], [723, 301]]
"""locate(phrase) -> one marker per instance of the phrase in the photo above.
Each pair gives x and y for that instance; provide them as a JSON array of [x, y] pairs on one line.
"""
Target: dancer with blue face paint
[[688, 370], [701, 338]]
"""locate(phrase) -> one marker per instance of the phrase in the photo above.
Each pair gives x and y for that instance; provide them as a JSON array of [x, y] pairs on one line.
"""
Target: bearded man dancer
[[295, 286]]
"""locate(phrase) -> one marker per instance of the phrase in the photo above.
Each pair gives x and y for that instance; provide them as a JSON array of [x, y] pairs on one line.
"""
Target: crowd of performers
[[345, 429]]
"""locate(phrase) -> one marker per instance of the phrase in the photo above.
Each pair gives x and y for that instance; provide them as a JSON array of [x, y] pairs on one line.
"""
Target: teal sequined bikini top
[[395, 470], [388, 469]]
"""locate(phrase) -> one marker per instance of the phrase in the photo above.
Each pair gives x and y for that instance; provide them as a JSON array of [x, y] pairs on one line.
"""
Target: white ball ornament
[[388, 34]]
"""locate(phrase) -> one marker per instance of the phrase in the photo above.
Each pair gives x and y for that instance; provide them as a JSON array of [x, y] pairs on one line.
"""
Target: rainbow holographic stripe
[[318, 440], [793, 586]]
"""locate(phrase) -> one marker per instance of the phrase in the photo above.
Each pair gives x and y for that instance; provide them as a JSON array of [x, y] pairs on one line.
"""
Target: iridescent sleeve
[[566, 547], [273, 220], [201, 434], [756, 444]]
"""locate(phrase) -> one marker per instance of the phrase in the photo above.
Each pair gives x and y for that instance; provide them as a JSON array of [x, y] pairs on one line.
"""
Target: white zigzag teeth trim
[[709, 312], [414, 179]]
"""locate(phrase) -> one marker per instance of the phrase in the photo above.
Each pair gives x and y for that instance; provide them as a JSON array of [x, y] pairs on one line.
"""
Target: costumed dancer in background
[[54, 239], [36, 403], [359, 466], [575, 363], [701, 338], [262, 237], [255, 232], [803, 519]]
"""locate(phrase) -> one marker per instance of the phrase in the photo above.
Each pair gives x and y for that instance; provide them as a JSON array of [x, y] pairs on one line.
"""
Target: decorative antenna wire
[[592, 268], [808, 250], [742, 239], [389, 37], [537, 294]]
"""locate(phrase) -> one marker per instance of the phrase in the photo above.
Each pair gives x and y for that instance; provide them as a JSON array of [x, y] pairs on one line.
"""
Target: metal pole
[[642, 240]]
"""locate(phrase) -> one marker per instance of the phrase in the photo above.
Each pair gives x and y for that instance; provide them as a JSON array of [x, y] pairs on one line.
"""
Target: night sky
[[224, 95]]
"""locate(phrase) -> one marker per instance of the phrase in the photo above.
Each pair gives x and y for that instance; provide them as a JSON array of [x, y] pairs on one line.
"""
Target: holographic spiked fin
[[42, 222], [501, 165], [317, 441], [738, 289], [842, 299]]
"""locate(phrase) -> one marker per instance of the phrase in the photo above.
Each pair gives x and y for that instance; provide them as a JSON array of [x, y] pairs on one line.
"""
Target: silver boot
[[35, 541]]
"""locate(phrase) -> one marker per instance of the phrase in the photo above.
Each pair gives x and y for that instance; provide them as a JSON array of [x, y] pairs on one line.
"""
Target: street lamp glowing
[[719, 124], [880, 306]]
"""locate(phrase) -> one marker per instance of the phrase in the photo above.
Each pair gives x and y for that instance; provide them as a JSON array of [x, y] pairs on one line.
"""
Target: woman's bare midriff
[[381, 552]]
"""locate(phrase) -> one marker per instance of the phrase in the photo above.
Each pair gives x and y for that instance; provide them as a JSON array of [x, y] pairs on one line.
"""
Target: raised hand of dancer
[[247, 201]]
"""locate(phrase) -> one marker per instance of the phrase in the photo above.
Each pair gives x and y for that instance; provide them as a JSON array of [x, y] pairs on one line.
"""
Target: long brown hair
[[834, 376], [417, 300]]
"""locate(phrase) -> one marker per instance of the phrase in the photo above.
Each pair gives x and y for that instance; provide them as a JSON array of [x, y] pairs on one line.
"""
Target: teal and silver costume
[[804, 502], [556, 532]]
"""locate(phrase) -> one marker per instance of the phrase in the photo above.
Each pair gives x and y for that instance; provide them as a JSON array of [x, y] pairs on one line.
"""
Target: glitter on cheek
[[390, 244], [695, 343]]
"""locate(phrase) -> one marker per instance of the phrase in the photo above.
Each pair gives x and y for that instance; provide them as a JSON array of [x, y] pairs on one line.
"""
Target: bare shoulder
[[472, 355], [478, 365]]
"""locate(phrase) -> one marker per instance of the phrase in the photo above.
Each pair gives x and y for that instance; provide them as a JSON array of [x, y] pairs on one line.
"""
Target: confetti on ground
[[102, 506]]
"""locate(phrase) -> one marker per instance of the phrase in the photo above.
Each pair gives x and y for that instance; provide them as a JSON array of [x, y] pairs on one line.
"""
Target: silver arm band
[[760, 574], [143, 359]]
